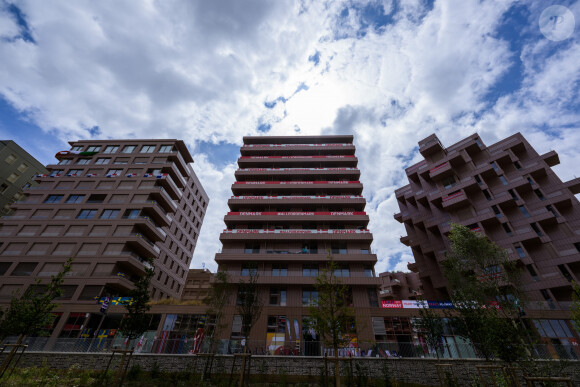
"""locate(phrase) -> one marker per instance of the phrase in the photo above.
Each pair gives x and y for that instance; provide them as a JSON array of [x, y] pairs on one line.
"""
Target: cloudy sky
[[210, 72]]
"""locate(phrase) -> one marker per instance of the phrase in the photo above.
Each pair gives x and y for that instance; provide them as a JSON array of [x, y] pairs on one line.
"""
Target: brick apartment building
[[197, 285], [294, 199], [509, 192], [400, 286], [110, 204], [17, 170]]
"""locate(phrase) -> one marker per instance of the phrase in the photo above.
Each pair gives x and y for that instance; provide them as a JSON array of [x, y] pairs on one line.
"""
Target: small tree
[[31, 313], [249, 303], [136, 321], [485, 292], [430, 324], [216, 300], [331, 315], [575, 307]]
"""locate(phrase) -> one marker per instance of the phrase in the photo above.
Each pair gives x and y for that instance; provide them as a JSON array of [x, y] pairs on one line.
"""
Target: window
[[338, 248], [548, 299], [13, 177], [524, 211], [121, 160], [102, 161], [75, 172], [112, 172], [77, 148], [166, 149], [449, 182], [65, 162], [539, 194], [53, 198], [97, 198], [530, 180], [513, 194], [507, 229], [532, 272], [279, 270], [10, 159], [111, 149], [536, 229], [22, 167], [343, 271], [147, 149], [252, 248], [278, 296], [249, 269], [494, 166], [3, 187], [551, 209], [520, 251], [83, 161], [496, 211], [373, 298], [478, 142], [24, 269], [75, 198], [310, 270], [477, 179], [56, 172], [94, 148], [110, 214], [503, 180], [369, 272], [486, 194], [87, 214], [309, 297], [364, 251], [129, 148], [517, 165]]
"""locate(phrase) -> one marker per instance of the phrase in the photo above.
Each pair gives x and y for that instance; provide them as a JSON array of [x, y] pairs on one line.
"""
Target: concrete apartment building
[[197, 285], [294, 199], [110, 204], [509, 192], [400, 286], [17, 170]]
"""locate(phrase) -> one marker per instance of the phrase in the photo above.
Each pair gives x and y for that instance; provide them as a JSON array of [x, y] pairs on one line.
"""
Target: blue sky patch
[[314, 58], [20, 18], [220, 154]]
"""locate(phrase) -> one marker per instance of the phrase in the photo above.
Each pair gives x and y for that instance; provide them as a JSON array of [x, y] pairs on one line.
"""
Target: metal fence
[[183, 346]]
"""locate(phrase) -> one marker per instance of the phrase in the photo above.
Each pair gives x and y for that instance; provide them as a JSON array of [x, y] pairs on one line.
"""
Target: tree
[[136, 321], [331, 315], [485, 292], [249, 303], [216, 300], [430, 324], [31, 313], [575, 307]]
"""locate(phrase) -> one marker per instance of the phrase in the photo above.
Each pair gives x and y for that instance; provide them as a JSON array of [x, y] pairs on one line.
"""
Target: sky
[[389, 72]]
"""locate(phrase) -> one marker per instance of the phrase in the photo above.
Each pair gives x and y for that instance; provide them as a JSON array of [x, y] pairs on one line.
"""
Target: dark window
[[520, 251], [507, 229], [530, 180], [54, 198], [496, 211], [551, 209], [478, 180], [248, 269], [24, 269], [494, 166], [503, 180], [539, 194], [278, 296], [486, 194], [252, 248], [548, 299], [310, 270], [532, 272], [369, 271], [279, 270], [96, 198], [338, 248], [309, 297], [565, 273], [373, 298], [364, 251], [110, 214], [514, 196], [536, 229], [517, 165], [131, 214], [524, 211], [449, 182]]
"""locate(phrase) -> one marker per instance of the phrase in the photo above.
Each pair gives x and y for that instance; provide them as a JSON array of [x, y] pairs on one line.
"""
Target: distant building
[[400, 286], [507, 191], [197, 285], [17, 170]]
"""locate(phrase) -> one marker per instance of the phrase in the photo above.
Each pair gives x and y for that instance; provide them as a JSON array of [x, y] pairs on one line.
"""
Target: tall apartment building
[[294, 199], [110, 204], [197, 285], [17, 170], [509, 192], [400, 286]]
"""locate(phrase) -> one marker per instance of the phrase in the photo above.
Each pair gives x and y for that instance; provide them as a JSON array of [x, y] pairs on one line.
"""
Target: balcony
[[573, 185], [297, 161], [159, 215], [167, 182], [430, 145], [412, 266], [267, 279], [337, 186], [454, 200], [551, 158], [398, 217], [290, 255], [406, 240], [163, 198], [143, 245], [175, 174], [149, 227], [291, 234], [179, 162], [441, 170], [360, 218]]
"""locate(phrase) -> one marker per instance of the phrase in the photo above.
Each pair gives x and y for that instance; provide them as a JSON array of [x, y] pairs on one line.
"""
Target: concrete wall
[[421, 371]]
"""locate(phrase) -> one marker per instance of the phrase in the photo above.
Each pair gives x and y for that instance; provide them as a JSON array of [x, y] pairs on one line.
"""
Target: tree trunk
[[336, 368], [8, 360]]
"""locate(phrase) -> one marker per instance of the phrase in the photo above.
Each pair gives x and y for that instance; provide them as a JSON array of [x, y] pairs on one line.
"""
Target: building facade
[[111, 205], [507, 191], [197, 285], [17, 170], [294, 200], [400, 286]]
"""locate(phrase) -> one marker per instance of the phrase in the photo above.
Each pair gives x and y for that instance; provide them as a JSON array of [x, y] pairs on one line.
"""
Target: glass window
[[496, 211], [116, 172], [252, 248], [77, 148], [75, 198], [449, 182], [494, 166], [369, 272], [503, 180], [310, 270], [520, 251], [278, 296], [365, 251], [13, 177], [551, 209], [56, 172], [87, 214], [342, 272], [110, 214], [83, 161], [131, 214], [507, 229], [486, 194], [129, 148], [477, 179], [111, 149], [279, 270], [524, 211], [532, 272], [373, 297], [249, 269], [530, 180], [166, 149], [54, 198], [10, 159], [75, 172], [94, 148], [539, 194], [103, 160], [517, 165], [121, 160], [309, 297], [338, 248], [65, 162], [513, 194], [22, 167], [536, 229], [147, 149]]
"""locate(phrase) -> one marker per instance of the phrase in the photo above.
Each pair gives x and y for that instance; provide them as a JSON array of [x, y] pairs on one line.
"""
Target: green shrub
[[134, 372]]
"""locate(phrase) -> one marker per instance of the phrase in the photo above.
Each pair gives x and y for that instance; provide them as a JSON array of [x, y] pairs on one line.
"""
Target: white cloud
[[201, 71]]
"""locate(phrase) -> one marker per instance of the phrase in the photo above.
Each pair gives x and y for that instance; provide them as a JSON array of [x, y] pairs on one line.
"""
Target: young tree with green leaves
[[31, 313], [249, 303], [331, 314], [216, 300], [430, 324], [485, 292]]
